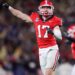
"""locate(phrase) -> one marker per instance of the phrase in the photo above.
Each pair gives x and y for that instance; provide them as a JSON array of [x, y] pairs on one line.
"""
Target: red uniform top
[[43, 38], [71, 32]]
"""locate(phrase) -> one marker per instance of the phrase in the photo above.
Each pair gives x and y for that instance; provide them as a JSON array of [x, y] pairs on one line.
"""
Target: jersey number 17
[[40, 28]]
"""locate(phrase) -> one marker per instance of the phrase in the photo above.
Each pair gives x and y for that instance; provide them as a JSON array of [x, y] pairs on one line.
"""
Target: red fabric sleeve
[[33, 16]]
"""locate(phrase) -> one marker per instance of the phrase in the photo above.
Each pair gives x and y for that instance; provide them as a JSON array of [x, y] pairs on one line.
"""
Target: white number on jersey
[[40, 29]]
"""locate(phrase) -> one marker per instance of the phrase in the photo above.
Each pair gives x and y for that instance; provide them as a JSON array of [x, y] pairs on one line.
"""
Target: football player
[[47, 27], [70, 35]]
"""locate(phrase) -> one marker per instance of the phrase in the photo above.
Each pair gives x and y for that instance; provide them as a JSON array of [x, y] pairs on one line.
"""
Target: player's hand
[[49, 31], [4, 5]]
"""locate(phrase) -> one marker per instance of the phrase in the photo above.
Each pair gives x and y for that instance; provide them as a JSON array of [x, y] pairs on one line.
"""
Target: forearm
[[19, 14]]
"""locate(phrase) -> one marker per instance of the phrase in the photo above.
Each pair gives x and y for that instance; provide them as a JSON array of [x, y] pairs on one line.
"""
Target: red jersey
[[71, 32], [43, 38]]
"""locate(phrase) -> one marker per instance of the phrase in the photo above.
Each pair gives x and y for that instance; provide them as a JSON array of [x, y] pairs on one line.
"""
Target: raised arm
[[18, 13]]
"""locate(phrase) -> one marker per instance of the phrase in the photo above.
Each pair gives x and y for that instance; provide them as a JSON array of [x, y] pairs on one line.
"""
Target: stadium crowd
[[18, 48]]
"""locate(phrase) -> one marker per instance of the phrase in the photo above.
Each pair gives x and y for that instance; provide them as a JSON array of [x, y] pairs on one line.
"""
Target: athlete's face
[[46, 10]]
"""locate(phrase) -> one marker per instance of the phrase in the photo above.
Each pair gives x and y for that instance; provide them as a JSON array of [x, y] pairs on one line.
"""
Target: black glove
[[65, 35], [49, 31], [4, 5]]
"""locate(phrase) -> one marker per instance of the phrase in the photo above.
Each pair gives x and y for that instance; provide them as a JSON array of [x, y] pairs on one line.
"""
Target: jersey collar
[[46, 19]]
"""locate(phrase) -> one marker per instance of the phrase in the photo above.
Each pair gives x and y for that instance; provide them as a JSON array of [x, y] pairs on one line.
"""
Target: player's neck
[[45, 18]]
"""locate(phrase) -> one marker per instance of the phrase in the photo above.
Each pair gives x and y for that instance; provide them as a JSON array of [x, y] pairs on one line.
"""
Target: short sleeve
[[33, 16], [59, 22]]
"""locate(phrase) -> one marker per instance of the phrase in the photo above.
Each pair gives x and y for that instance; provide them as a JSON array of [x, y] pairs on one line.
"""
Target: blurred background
[[18, 47]]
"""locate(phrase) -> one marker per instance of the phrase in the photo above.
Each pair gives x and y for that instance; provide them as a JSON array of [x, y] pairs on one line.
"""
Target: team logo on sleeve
[[37, 19]]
